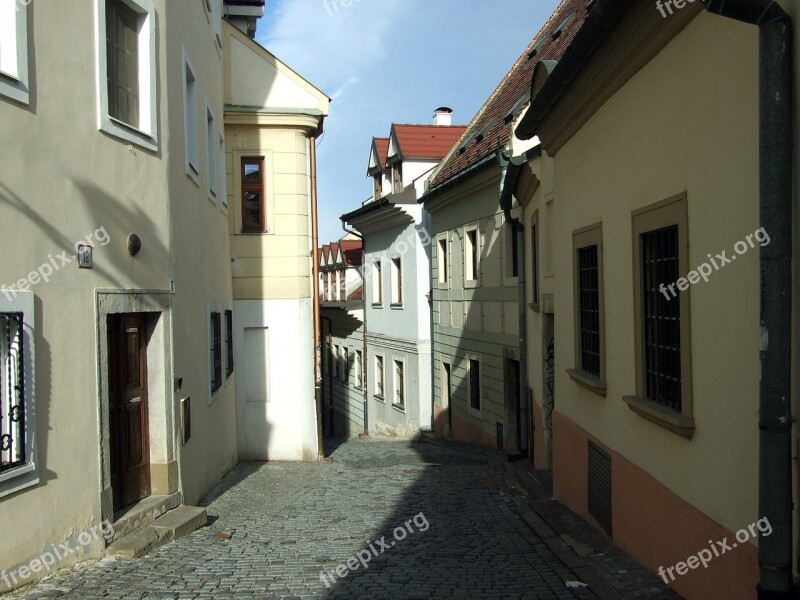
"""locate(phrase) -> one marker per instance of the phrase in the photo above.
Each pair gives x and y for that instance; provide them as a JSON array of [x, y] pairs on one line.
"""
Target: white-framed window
[[399, 375], [329, 288], [511, 237], [359, 370], [126, 79], [216, 21], [211, 150], [474, 383], [223, 173], [336, 363], [19, 467], [190, 119], [443, 261], [380, 377], [377, 284], [472, 253], [345, 365], [14, 50], [397, 281]]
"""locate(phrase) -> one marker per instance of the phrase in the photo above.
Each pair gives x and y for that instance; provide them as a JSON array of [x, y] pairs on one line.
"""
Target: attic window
[[557, 33], [538, 47], [483, 132], [512, 113]]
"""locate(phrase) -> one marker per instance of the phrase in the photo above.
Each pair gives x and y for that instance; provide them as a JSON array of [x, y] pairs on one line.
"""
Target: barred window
[[12, 392], [229, 342], [589, 310], [216, 352], [662, 318]]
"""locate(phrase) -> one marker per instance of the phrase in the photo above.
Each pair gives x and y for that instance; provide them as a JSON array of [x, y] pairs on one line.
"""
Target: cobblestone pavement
[[277, 525]]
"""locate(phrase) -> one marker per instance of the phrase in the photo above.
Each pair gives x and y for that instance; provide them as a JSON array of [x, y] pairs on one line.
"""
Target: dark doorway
[[130, 448]]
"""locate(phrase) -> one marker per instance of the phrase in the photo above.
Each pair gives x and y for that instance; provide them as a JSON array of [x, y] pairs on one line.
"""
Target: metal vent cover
[[599, 476]]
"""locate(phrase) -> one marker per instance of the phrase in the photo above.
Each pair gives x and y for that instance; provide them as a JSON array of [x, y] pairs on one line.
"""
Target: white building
[[397, 246]]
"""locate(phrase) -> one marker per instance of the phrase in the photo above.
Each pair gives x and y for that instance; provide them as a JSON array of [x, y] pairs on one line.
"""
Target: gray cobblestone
[[289, 521]]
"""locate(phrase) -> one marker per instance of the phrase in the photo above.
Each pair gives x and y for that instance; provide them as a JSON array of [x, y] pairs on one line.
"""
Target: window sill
[[396, 307], [655, 413], [15, 89], [535, 307], [18, 479], [256, 232], [380, 398], [380, 305], [128, 133], [399, 408], [587, 380]]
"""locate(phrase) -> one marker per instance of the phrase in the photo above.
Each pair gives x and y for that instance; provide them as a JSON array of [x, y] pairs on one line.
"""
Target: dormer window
[[397, 177]]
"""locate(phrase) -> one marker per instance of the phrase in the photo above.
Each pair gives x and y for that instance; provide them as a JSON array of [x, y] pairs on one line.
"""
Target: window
[[397, 177], [14, 50], [535, 260], [471, 251], [126, 70], [216, 21], [663, 360], [359, 370], [399, 384], [377, 187], [253, 213], [397, 282], [379, 377], [345, 365], [340, 295], [190, 119], [223, 175], [474, 374], [211, 149], [229, 343], [336, 363], [587, 265], [377, 283], [216, 352], [18, 449], [442, 262]]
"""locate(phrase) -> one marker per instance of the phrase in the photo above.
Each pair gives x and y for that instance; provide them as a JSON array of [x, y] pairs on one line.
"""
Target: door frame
[[164, 424]]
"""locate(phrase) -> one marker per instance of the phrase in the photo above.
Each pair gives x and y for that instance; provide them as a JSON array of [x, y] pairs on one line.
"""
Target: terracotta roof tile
[[515, 85], [382, 147], [430, 142]]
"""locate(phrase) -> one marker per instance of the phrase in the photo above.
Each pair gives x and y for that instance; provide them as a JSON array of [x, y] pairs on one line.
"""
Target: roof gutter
[[603, 17], [775, 213]]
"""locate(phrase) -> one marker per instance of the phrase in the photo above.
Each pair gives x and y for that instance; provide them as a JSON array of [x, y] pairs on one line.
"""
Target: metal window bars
[[12, 392]]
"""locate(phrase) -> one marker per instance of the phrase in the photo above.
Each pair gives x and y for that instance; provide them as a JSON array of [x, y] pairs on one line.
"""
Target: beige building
[[272, 118], [118, 399], [645, 268]]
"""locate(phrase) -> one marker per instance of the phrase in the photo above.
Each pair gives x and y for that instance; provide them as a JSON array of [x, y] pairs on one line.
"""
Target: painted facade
[[272, 116], [343, 351], [134, 172], [661, 468]]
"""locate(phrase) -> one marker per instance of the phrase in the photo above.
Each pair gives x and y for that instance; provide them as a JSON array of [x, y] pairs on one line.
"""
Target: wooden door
[[130, 448]]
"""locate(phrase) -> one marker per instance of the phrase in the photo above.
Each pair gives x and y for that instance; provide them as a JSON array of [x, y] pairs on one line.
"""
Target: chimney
[[443, 116]]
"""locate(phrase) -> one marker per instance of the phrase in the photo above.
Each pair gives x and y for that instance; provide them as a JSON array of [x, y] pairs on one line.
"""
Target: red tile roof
[[421, 142], [352, 250], [515, 85], [382, 148]]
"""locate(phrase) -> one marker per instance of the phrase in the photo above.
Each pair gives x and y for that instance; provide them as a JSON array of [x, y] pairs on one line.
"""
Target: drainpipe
[[364, 357], [315, 291], [775, 411], [508, 182]]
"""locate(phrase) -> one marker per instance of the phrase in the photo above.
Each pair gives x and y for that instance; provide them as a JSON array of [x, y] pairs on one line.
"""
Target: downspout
[[364, 357], [775, 213], [315, 288], [508, 182]]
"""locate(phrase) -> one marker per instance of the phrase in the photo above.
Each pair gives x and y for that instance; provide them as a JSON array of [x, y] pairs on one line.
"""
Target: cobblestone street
[[274, 527]]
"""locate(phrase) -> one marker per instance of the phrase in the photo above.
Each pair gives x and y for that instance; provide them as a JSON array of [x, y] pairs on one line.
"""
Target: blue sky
[[385, 61]]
